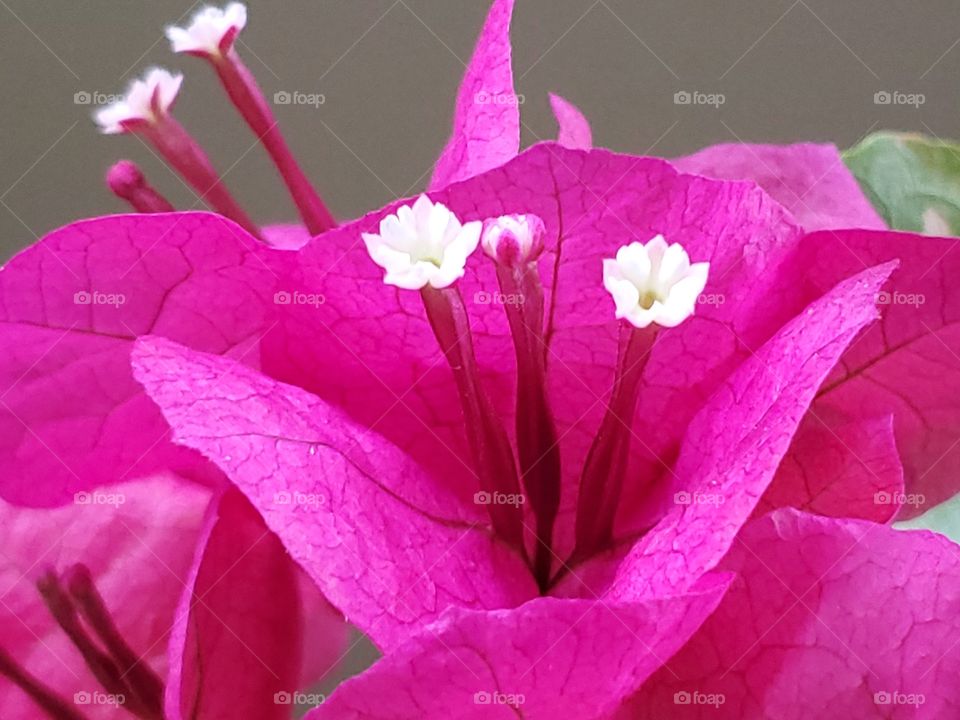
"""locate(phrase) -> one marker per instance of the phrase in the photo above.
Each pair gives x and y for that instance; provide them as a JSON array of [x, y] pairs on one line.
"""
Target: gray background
[[789, 70]]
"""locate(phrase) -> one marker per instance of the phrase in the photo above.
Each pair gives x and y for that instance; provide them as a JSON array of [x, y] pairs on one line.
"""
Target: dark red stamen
[[127, 182], [141, 679], [115, 666], [53, 705], [490, 446], [102, 666], [537, 445], [606, 465]]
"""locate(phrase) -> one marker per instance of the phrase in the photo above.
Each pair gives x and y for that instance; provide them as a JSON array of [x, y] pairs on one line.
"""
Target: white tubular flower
[[212, 31], [654, 283], [513, 239], [423, 245], [145, 102]]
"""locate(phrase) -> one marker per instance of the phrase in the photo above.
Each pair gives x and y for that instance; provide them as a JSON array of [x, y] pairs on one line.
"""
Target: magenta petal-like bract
[[733, 446], [547, 659], [809, 180], [832, 619], [389, 548], [237, 636], [843, 470], [574, 129], [908, 364], [486, 122], [71, 416]]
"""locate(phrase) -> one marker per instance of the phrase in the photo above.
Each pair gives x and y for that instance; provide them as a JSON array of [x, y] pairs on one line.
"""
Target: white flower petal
[[422, 244], [145, 101], [654, 283], [207, 30]]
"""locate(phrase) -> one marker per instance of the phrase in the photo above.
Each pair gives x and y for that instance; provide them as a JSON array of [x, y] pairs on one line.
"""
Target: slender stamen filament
[[537, 445], [490, 446], [606, 465], [60, 606], [185, 155], [52, 704], [246, 95], [117, 668], [143, 681]]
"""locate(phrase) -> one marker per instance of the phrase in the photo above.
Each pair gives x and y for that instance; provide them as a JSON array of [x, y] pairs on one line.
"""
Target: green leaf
[[912, 180]]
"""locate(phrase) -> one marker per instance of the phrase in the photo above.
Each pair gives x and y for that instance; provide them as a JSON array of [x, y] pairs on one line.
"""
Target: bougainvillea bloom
[[635, 459]]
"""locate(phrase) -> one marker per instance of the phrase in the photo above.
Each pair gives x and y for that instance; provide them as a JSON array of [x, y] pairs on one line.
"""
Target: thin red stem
[[248, 98], [537, 445], [603, 473], [490, 446]]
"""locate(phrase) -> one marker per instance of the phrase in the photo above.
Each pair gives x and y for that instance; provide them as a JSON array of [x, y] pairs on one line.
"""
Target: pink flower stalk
[[212, 36], [623, 463]]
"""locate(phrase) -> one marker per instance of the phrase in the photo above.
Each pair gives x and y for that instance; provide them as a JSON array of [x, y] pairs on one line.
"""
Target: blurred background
[[387, 72]]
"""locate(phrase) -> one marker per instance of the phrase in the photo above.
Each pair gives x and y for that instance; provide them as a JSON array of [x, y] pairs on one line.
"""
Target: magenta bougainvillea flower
[[573, 434]]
